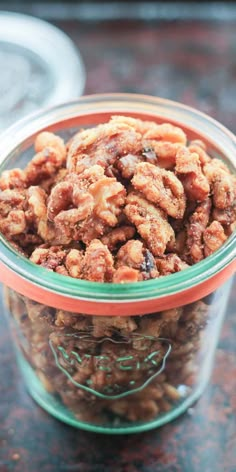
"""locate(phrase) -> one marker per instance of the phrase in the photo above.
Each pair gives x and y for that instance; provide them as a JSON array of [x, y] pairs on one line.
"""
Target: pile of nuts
[[128, 200]]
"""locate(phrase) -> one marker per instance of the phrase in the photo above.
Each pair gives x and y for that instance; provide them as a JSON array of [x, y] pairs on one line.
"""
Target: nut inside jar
[[112, 369]]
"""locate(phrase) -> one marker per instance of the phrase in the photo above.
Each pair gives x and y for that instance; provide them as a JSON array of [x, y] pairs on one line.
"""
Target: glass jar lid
[[40, 66]]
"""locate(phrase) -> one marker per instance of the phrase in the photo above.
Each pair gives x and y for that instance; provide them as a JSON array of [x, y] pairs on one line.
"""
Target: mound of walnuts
[[128, 200]]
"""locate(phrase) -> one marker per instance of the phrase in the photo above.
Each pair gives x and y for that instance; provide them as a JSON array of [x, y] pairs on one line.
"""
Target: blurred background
[[184, 51]]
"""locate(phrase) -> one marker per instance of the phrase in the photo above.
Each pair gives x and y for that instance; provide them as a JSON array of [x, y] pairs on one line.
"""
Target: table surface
[[194, 62]]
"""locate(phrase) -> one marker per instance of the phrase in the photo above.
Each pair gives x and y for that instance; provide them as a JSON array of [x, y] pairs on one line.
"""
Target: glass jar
[[116, 358], [32, 74]]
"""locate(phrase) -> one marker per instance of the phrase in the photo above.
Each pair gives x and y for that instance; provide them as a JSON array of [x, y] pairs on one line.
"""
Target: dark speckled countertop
[[194, 62]]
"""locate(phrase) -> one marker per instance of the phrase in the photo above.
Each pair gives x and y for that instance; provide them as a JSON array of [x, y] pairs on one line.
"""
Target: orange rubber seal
[[114, 308]]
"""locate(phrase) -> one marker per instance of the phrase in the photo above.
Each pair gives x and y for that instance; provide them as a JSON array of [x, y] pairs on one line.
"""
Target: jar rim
[[111, 293]]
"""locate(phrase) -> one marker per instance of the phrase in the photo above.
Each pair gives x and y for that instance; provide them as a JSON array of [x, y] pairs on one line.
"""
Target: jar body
[[106, 357], [116, 374]]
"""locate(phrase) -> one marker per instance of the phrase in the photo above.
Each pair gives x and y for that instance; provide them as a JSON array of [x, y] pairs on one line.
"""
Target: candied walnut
[[134, 254], [170, 263], [188, 168], [198, 146], [87, 177], [166, 132], [118, 236], [12, 179], [73, 263], [46, 139], [223, 192], [197, 224], [91, 228], [223, 184], [13, 224], [126, 275], [215, 168], [37, 202], [62, 197], [97, 265], [109, 197], [95, 198], [130, 254], [43, 166], [37, 198], [11, 200], [102, 145], [160, 187], [50, 258], [138, 125], [150, 222], [213, 236]]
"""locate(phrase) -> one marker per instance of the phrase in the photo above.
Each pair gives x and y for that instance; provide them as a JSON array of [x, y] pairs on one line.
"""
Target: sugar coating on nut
[[161, 187], [188, 169], [150, 221]]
